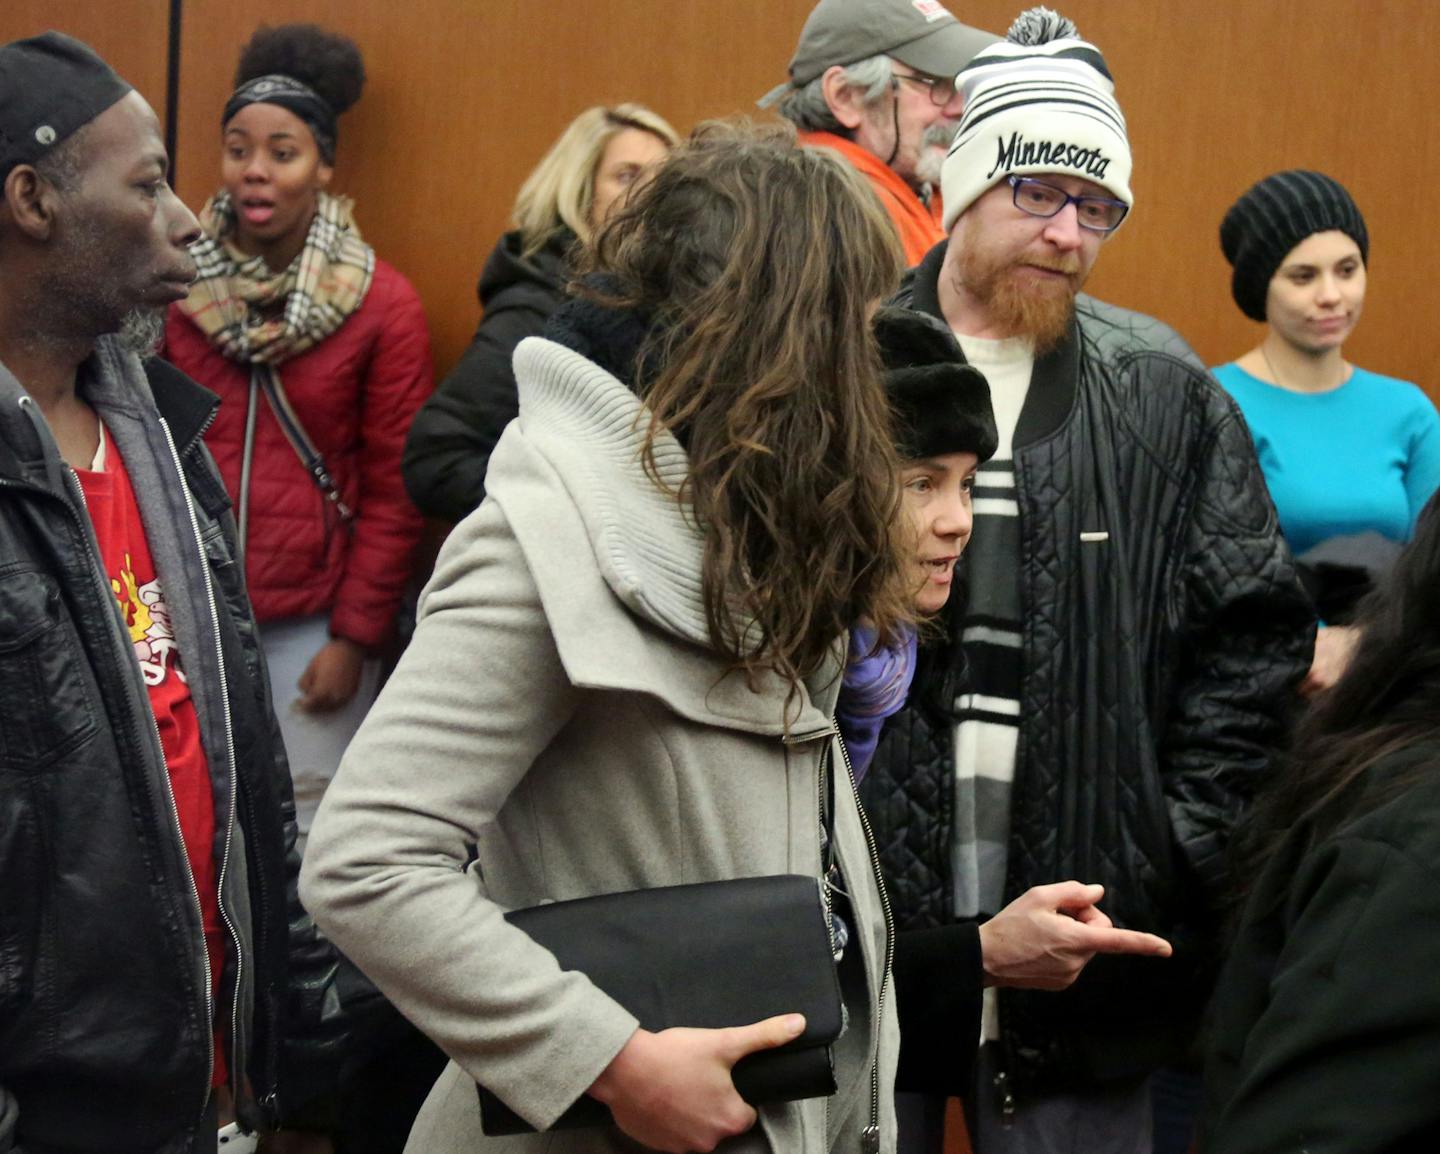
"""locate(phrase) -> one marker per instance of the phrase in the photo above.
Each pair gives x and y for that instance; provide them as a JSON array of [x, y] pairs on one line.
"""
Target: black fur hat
[[940, 404]]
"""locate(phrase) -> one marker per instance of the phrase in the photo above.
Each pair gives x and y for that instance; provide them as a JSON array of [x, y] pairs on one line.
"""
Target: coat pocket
[[47, 707]]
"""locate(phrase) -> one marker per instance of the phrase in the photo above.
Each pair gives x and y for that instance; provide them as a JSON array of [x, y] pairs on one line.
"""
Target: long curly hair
[[759, 263], [1387, 700]]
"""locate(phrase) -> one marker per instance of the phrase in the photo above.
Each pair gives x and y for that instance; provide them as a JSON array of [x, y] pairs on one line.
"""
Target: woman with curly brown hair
[[625, 668]]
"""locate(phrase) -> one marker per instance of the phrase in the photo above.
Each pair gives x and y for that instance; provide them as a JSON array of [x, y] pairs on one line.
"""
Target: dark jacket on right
[[1159, 664], [453, 434], [1326, 1024], [105, 1026]]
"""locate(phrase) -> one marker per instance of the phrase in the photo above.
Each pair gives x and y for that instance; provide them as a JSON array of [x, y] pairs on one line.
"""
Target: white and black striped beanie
[[1041, 101]]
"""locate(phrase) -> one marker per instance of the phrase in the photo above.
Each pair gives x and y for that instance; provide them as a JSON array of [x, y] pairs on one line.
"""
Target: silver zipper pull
[[870, 1140], [1007, 1099]]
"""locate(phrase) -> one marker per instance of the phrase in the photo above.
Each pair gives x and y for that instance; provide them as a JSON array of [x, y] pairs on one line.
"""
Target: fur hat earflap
[[940, 404]]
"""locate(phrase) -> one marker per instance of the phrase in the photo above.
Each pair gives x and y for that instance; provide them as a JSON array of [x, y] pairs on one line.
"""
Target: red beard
[[1019, 304]]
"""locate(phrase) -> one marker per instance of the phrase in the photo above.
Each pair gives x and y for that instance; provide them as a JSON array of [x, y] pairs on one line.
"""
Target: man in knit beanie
[[874, 80], [1133, 629], [157, 971]]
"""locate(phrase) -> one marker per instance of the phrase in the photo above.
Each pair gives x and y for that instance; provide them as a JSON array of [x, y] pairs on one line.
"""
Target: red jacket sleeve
[[387, 526]]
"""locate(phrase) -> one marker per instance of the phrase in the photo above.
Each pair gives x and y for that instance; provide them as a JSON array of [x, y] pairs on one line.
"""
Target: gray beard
[[934, 146], [142, 331]]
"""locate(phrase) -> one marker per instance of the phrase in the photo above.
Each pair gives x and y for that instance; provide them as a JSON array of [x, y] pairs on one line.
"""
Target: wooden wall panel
[[133, 35], [464, 97]]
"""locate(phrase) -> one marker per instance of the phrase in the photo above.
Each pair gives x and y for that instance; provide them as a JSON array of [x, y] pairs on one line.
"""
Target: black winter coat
[[450, 441], [1326, 1022], [105, 1038], [1159, 664]]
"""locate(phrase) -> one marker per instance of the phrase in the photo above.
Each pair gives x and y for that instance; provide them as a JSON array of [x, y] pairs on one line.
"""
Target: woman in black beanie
[[1299, 249]]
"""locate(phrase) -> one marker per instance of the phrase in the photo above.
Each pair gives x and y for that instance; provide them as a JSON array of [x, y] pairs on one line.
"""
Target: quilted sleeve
[[1247, 634]]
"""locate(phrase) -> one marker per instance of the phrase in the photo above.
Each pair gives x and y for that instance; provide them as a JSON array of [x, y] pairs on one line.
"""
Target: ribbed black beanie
[[1272, 218]]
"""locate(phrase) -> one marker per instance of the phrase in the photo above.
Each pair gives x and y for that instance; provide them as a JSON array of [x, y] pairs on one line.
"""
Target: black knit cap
[[1275, 215], [50, 86], [940, 404]]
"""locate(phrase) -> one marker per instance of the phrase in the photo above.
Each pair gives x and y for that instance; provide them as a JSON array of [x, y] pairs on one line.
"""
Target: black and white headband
[[295, 97]]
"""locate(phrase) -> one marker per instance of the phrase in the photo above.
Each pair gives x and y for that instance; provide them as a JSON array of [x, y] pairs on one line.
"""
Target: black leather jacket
[[105, 1022], [1160, 662]]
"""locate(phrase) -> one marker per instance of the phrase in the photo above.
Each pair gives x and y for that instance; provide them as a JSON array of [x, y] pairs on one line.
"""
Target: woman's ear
[[323, 175]]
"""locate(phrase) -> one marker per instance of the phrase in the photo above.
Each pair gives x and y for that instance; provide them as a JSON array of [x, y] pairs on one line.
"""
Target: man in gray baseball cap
[[874, 80]]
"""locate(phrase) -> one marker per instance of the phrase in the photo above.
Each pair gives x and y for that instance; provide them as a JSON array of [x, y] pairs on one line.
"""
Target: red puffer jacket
[[356, 393]]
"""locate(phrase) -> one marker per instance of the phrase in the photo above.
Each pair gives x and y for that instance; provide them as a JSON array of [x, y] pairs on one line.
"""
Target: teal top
[[1363, 456]]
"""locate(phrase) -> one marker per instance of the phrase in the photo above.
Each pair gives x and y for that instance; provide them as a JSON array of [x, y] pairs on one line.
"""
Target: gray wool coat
[[560, 710]]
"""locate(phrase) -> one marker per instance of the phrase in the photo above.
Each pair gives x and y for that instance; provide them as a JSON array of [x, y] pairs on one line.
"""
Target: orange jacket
[[915, 222]]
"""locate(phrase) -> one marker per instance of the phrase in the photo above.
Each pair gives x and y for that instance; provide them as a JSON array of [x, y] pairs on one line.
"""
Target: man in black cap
[[874, 80], [154, 960]]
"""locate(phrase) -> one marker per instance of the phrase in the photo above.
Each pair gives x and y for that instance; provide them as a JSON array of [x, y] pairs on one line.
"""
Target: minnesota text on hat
[[1041, 102], [1018, 152]]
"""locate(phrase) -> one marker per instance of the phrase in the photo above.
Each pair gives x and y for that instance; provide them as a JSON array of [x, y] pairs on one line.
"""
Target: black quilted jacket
[[1159, 667]]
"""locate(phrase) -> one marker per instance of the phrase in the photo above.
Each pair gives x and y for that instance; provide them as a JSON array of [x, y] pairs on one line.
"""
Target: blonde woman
[[587, 172]]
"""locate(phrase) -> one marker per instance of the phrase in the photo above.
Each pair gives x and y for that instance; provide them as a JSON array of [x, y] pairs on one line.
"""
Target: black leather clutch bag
[[709, 955]]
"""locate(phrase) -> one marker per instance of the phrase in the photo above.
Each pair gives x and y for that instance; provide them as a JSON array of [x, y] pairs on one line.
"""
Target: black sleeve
[[939, 979], [9, 1122], [448, 449], [1249, 633]]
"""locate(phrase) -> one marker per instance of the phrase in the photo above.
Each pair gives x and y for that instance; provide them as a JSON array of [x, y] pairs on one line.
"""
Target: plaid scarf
[[256, 316]]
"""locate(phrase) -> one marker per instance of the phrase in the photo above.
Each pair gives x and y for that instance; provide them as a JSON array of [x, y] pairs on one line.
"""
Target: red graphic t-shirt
[[125, 554]]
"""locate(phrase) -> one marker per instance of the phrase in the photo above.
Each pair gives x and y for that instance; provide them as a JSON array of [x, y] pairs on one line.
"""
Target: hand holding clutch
[[672, 1091]]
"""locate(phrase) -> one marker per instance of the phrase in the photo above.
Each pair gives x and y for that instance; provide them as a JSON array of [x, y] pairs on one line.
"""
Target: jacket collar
[[110, 378], [878, 172], [589, 428], [592, 427]]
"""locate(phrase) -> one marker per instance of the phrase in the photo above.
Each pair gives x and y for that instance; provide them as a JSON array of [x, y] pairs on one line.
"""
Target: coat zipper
[[237, 1072], [870, 1136], [107, 594], [825, 896], [74, 482]]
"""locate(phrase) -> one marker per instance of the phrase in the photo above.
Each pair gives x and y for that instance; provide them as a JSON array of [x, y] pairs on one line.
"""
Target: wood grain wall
[[133, 35], [464, 97]]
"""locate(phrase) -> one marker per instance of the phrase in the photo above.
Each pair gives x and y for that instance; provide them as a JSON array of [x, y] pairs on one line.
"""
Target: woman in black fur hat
[[944, 428]]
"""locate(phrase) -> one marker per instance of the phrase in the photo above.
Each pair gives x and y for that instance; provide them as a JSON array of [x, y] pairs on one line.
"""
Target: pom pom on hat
[[1040, 102]]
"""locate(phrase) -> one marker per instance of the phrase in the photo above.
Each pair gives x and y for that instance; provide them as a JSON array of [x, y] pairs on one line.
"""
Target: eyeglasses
[[1097, 213], [942, 91]]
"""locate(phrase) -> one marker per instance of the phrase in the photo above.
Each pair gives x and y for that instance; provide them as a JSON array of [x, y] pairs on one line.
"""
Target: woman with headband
[[321, 357], [1345, 451]]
